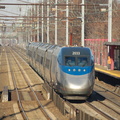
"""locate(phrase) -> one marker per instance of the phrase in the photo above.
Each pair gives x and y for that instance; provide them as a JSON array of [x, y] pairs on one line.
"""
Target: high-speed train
[[69, 69]]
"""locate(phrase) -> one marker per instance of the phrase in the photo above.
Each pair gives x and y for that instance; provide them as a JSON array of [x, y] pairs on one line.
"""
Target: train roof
[[43, 45], [65, 49]]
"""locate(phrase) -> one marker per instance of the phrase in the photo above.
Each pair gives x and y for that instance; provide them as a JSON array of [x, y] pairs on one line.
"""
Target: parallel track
[[30, 87], [99, 111], [110, 95], [17, 91]]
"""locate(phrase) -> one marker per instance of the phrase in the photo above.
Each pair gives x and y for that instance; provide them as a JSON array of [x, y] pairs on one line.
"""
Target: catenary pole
[[48, 21], [42, 22], [38, 23], [67, 22], [56, 22], [110, 21], [83, 24]]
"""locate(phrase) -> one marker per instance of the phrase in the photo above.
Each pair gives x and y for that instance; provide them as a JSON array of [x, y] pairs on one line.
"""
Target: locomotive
[[70, 70]]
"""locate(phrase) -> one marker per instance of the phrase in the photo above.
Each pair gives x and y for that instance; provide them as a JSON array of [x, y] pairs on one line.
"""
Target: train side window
[[70, 61], [47, 63], [41, 60], [29, 53], [34, 54], [38, 58]]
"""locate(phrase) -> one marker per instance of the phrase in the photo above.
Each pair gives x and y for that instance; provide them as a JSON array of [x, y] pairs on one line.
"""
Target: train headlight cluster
[[79, 70]]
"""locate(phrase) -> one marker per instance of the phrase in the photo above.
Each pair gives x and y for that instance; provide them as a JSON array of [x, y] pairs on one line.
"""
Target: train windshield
[[76, 61], [82, 61], [70, 61]]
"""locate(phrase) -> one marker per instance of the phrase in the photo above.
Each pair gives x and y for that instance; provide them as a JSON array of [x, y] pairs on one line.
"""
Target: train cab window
[[82, 61], [70, 61]]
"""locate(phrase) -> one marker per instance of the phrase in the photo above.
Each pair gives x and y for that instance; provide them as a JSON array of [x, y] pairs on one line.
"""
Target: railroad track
[[109, 112], [105, 102], [107, 94], [100, 107], [14, 61], [21, 52]]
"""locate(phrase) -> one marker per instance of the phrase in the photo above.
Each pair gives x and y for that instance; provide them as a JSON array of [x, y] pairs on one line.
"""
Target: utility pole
[[110, 32], [48, 21], [110, 21], [56, 22], [67, 22], [42, 22], [83, 24], [32, 28], [38, 23]]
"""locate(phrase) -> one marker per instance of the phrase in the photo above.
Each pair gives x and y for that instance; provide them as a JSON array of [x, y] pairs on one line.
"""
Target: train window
[[47, 63], [41, 60], [29, 53], [70, 61], [34, 54], [82, 61], [38, 58]]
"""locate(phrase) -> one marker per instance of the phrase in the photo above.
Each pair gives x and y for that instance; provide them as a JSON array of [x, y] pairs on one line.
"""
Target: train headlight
[[79, 70], [84, 70], [74, 69], [69, 70]]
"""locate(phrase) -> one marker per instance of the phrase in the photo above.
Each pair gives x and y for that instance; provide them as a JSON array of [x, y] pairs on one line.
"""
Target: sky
[[14, 10]]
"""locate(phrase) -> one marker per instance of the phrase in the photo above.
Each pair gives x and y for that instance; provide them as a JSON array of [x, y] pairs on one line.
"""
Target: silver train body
[[69, 69]]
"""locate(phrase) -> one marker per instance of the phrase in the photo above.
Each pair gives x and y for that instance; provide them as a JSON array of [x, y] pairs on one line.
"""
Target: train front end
[[76, 74]]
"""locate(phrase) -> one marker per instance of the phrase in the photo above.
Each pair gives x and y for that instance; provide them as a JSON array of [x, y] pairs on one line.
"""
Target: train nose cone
[[78, 82]]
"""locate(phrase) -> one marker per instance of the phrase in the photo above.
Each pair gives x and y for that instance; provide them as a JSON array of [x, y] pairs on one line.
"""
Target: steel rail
[[17, 92]]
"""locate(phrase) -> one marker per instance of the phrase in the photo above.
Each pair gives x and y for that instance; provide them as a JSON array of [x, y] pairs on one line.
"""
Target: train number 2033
[[75, 53]]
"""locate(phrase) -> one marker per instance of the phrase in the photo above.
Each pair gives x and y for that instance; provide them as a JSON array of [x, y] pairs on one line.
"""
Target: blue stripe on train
[[76, 70]]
